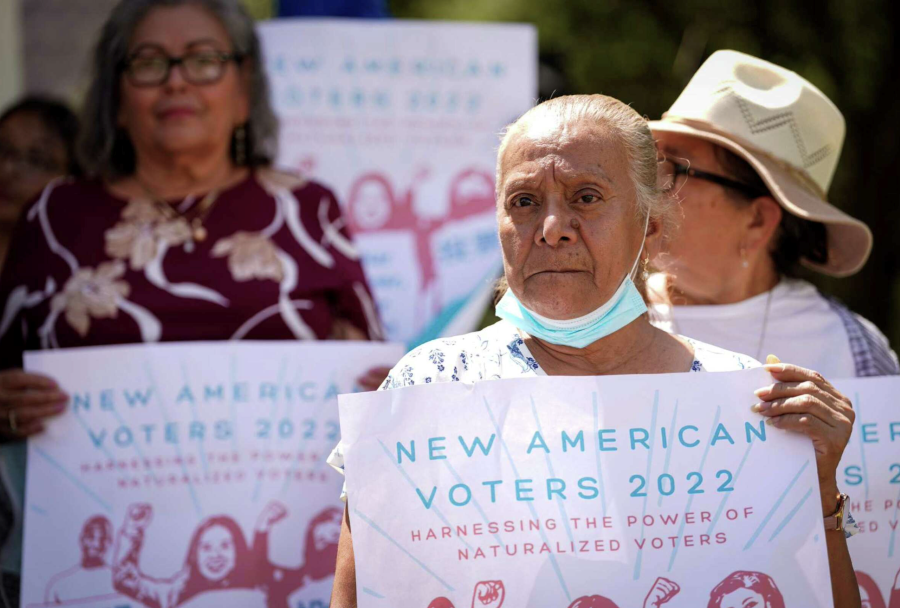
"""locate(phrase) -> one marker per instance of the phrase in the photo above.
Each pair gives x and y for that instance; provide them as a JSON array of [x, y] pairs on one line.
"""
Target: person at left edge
[[579, 210], [181, 231]]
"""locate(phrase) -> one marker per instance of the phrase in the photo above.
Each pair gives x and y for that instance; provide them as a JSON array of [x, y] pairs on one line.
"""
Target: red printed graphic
[[661, 592], [488, 594], [593, 601], [373, 206], [869, 591], [441, 602], [218, 558], [320, 554], [743, 588], [871, 594], [93, 571]]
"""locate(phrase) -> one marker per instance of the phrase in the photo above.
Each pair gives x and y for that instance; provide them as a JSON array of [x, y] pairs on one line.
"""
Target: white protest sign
[[581, 492], [401, 119], [189, 475], [870, 474]]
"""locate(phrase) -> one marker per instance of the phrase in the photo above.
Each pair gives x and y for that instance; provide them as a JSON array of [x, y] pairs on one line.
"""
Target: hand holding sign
[[805, 402]]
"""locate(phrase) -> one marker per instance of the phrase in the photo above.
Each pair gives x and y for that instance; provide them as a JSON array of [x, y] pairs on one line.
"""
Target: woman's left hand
[[803, 401]]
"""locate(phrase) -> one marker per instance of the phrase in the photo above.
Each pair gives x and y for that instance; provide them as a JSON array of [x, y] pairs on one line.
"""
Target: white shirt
[[801, 327]]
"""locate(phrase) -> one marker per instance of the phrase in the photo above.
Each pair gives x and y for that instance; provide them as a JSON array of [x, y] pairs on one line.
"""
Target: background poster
[[192, 473], [620, 492], [402, 120], [870, 474]]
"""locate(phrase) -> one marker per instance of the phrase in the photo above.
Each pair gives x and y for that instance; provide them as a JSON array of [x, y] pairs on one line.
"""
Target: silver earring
[[240, 146], [645, 271], [744, 262]]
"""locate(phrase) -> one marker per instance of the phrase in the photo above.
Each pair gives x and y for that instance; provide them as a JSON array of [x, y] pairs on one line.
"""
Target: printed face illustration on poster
[[190, 475], [606, 492], [402, 120]]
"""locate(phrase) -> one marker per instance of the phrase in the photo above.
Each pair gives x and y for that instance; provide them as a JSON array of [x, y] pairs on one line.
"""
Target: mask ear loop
[[634, 266]]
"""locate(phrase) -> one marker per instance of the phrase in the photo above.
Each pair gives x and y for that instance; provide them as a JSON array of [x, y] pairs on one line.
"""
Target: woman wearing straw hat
[[750, 148]]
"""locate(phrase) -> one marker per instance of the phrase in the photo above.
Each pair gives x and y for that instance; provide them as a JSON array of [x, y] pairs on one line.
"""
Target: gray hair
[[630, 128], [106, 149]]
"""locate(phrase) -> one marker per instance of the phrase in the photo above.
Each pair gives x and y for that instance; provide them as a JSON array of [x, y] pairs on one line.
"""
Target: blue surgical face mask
[[622, 308]]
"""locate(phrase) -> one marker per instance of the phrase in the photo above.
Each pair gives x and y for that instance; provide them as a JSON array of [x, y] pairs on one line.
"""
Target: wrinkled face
[[30, 156], [216, 553], [743, 598], [705, 251], [177, 116], [566, 212], [94, 543]]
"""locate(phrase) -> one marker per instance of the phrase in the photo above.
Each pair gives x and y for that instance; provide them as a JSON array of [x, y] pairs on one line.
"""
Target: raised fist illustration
[[139, 515], [488, 594], [271, 514], [661, 592]]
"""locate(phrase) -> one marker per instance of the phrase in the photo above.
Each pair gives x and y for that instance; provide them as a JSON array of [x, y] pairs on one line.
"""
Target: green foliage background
[[644, 52]]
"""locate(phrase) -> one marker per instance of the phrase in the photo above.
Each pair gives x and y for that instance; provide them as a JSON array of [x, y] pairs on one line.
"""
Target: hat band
[[800, 175]]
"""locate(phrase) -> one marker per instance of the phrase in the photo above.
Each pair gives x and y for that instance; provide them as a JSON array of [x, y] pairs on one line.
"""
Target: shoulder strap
[[870, 356]]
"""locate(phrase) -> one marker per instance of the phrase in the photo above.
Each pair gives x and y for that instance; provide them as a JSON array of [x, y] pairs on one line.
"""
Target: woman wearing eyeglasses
[[749, 150], [182, 232]]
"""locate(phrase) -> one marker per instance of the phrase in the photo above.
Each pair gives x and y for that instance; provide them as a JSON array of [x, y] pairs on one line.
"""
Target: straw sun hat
[[788, 131]]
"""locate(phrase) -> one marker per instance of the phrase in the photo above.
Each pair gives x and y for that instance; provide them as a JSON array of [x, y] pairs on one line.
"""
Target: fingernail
[[762, 392], [771, 421], [774, 367], [772, 359], [760, 407]]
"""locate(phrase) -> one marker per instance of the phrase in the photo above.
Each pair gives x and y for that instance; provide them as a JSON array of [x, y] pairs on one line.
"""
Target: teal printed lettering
[[869, 432], [106, 400], [213, 392], [81, 402], [410, 453], [692, 444], [522, 490], [196, 430], [895, 430], [434, 448], [240, 392], [853, 475], [760, 434], [477, 442], [185, 394], [577, 441], [267, 390], [138, 397], [97, 439], [430, 500], [643, 440], [602, 441], [123, 437], [468, 495], [588, 491], [493, 485], [537, 441], [720, 434], [558, 490]]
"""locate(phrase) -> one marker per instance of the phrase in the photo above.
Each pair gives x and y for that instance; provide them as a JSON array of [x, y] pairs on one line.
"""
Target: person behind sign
[[750, 150], [580, 212], [182, 231], [37, 144]]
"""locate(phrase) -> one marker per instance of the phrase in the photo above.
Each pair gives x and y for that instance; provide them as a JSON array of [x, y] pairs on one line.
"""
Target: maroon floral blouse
[[88, 268]]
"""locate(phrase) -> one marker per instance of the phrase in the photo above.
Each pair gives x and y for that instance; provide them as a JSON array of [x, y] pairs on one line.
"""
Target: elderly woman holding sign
[[580, 210]]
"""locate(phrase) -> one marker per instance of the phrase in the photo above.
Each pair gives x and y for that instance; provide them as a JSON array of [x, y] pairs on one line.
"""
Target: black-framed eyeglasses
[[197, 67], [672, 171]]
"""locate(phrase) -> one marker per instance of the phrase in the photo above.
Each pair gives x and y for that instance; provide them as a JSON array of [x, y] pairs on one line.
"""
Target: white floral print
[[91, 294]]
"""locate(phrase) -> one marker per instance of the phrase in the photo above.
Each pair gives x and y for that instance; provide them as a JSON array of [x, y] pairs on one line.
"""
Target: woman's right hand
[[26, 402]]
